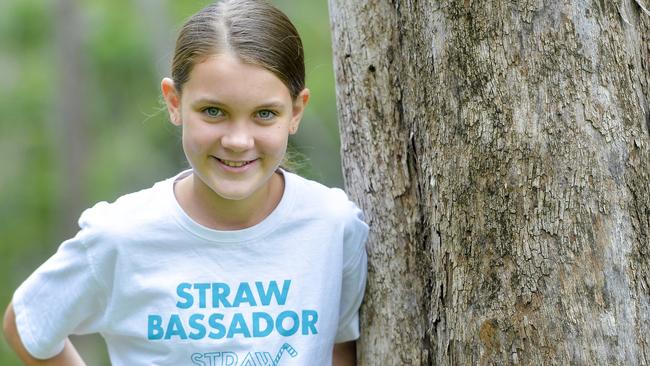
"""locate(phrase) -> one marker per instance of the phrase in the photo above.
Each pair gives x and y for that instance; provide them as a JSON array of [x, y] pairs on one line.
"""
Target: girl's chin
[[237, 189]]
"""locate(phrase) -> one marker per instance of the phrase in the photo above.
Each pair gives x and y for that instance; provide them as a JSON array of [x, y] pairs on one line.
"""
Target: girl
[[233, 262]]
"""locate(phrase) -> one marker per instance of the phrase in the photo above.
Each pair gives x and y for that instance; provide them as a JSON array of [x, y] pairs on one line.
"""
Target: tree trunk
[[70, 131], [501, 153], [155, 15]]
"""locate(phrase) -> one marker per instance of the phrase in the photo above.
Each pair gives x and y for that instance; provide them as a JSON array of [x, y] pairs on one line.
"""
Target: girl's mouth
[[235, 164]]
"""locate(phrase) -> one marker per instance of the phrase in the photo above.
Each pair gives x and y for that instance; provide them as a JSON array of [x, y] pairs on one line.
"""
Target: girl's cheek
[[274, 135], [202, 131], [196, 139]]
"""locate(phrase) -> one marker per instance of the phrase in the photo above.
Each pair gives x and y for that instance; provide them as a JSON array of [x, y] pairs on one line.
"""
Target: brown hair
[[254, 30]]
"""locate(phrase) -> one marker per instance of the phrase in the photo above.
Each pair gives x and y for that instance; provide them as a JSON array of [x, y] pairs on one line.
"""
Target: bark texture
[[501, 153]]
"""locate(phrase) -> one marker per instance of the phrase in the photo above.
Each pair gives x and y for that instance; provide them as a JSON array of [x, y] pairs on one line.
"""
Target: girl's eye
[[213, 112], [266, 114]]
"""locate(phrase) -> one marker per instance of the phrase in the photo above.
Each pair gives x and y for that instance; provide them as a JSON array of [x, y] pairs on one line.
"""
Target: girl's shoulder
[[330, 208], [128, 212], [312, 196]]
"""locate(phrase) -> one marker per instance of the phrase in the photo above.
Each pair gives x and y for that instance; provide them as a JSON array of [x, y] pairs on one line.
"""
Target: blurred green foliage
[[128, 141]]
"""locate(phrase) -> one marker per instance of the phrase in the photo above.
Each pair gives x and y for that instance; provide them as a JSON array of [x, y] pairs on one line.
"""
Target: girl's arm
[[345, 354], [69, 355]]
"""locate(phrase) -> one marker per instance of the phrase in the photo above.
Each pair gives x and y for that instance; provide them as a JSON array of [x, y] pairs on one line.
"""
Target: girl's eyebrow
[[271, 105], [268, 105], [207, 101]]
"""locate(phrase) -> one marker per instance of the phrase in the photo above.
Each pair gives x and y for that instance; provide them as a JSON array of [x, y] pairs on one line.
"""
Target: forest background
[[82, 121]]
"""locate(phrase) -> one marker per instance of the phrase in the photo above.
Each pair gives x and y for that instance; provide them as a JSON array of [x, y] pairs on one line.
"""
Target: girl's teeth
[[234, 164]]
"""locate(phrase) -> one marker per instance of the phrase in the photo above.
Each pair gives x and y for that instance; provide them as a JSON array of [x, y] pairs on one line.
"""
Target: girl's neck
[[213, 211]]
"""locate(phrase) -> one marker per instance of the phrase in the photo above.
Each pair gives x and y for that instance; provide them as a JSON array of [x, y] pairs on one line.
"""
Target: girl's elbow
[[345, 354], [10, 330], [9, 323]]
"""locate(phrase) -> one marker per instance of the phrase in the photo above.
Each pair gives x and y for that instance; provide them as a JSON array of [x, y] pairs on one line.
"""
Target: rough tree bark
[[501, 153]]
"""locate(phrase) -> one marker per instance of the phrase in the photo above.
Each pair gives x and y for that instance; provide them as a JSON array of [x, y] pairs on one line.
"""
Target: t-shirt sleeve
[[62, 297], [355, 270]]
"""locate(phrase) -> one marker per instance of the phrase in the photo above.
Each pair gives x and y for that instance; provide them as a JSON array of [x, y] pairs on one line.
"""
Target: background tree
[[68, 128], [501, 153]]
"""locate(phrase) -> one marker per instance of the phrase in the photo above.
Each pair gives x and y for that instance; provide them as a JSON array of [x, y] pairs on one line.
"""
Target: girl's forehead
[[225, 76]]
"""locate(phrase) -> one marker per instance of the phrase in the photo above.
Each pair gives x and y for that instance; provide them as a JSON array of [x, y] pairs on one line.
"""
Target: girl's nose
[[238, 138]]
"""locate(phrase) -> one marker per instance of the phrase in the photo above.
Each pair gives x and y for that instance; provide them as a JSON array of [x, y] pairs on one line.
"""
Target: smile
[[235, 164]]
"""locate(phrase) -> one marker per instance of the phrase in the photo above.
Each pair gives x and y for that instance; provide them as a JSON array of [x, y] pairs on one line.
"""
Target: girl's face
[[236, 121]]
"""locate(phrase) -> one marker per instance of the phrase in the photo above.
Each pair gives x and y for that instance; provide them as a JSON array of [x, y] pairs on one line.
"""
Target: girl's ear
[[172, 99], [299, 105]]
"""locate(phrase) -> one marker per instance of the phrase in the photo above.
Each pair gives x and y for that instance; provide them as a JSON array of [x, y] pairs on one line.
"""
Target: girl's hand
[[345, 354], [69, 355]]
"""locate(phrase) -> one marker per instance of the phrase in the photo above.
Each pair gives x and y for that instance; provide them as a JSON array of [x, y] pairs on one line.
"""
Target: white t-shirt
[[164, 290]]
